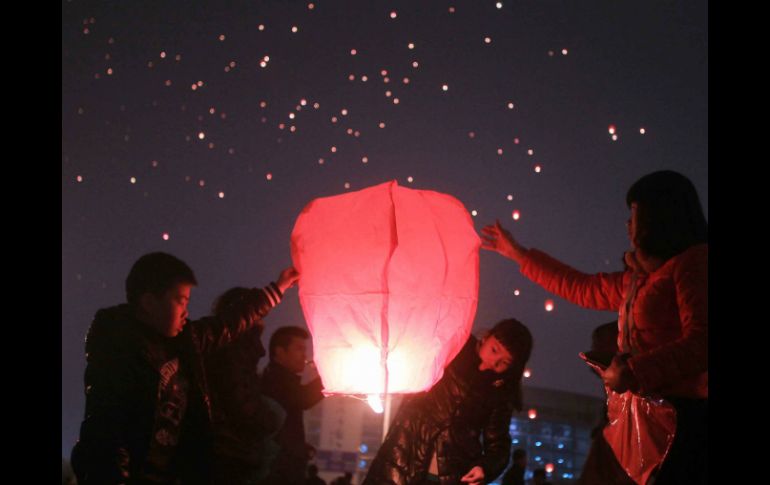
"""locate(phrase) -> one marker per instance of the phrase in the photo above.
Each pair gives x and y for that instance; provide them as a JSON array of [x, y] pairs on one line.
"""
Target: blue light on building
[[363, 448], [538, 443], [362, 464]]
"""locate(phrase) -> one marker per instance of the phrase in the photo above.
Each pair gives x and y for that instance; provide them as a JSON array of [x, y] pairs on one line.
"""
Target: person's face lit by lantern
[[166, 313], [292, 356], [494, 356]]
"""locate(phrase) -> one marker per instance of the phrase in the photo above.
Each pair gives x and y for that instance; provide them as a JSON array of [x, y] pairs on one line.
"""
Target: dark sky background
[[217, 173]]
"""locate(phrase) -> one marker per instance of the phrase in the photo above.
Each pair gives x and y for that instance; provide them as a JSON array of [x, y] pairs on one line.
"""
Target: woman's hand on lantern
[[287, 278], [618, 376], [475, 476], [496, 238]]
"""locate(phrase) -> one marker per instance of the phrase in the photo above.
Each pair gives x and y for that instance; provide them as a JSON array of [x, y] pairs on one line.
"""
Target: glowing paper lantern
[[389, 286]]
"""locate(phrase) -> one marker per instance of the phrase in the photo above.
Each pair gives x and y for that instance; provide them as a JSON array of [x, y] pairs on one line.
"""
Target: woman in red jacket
[[662, 298]]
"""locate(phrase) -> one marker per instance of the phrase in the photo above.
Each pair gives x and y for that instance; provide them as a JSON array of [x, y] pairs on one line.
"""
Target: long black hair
[[669, 215]]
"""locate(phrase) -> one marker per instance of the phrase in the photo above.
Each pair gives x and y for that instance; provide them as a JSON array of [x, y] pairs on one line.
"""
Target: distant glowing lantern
[[549, 305], [532, 413], [389, 299], [549, 468]]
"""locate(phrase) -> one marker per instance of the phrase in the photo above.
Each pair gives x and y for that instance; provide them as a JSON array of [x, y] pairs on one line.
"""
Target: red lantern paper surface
[[389, 280]]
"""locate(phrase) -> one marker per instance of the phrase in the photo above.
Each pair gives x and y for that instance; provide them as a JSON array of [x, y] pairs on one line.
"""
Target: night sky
[[203, 128]]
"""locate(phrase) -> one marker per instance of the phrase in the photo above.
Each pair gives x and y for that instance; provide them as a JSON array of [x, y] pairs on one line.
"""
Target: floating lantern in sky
[[411, 46], [410, 179], [499, 5], [269, 176], [510, 105], [165, 236], [611, 129], [294, 29], [133, 180], [445, 87], [487, 40], [201, 135], [532, 413], [549, 467], [510, 197], [549, 305], [564, 52], [538, 168], [221, 195], [642, 131], [79, 178], [474, 213], [393, 14], [527, 373], [388, 299], [516, 215], [353, 52], [614, 137]]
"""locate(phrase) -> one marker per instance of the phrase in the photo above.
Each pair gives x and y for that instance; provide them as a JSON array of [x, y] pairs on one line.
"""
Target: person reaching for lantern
[[435, 437], [662, 299]]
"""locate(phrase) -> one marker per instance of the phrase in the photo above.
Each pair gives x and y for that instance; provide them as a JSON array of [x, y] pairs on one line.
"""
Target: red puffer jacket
[[670, 312]]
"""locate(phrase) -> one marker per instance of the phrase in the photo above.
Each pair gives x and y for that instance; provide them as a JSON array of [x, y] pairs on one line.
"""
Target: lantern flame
[[375, 403]]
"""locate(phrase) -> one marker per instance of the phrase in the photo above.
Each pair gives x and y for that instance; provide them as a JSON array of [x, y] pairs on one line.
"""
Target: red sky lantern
[[389, 286]]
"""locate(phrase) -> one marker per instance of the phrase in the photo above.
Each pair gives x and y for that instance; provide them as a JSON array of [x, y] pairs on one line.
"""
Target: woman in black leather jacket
[[437, 435]]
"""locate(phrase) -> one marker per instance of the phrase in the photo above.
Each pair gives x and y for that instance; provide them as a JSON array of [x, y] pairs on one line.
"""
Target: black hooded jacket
[[465, 406]]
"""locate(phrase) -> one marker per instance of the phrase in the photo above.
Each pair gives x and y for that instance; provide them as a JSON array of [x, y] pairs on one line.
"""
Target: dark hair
[[517, 339], [605, 337], [155, 273], [519, 453], [669, 215], [312, 470], [539, 472], [282, 338]]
